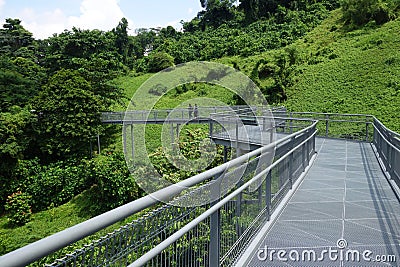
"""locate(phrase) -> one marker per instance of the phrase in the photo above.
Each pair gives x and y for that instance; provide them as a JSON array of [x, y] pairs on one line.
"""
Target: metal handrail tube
[[336, 114], [387, 141], [386, 129], [174, 237], [41, 248], [131, 113]]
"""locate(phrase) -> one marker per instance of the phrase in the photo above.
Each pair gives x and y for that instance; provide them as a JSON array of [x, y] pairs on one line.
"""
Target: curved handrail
[[170, 240], [41, 248]]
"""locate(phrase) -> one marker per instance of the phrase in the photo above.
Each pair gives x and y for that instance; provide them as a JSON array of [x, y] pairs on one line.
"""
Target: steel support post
[[172, 133], [98, 143], [177, 130], [124, 138], [225, 154]]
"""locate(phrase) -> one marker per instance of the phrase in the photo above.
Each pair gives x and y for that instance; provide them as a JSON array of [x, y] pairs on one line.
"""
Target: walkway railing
[[178, 114], [214, 234], [209, 235], [335, 125], [222, 230], [387, 144]]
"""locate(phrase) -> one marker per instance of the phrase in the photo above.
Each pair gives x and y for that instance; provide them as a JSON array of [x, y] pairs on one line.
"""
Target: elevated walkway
[[313, 202], [344, 205]]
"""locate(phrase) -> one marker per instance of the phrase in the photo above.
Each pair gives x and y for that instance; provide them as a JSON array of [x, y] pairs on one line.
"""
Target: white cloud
[[190, 11], [44, 24], [94, 14], [103, 15]]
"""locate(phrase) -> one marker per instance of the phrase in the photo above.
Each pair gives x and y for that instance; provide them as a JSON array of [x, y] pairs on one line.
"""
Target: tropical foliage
[[52, 91]]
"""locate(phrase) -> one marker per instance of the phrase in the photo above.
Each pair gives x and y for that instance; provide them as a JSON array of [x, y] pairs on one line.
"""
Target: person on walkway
[[190, 108], [196, 111]]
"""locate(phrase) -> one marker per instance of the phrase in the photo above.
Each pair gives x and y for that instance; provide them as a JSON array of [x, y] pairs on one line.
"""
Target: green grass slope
[[339, 69], [346, 71]]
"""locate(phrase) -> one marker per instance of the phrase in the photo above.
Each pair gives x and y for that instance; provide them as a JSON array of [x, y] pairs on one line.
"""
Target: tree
[[13, 37], [216, 12], [360, 12], [68, 115], [16, 137], [159, 61], [122, 39], [15, 88], [61, 50]]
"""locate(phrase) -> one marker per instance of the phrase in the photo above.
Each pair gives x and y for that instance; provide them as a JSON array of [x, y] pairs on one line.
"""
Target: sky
[[43, 18]]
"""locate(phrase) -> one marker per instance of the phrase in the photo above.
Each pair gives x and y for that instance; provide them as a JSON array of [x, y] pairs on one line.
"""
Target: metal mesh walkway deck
[[343, 214]]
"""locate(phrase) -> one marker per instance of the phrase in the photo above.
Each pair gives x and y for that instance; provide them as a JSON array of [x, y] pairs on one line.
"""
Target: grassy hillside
[[338, 69], [350, 71]]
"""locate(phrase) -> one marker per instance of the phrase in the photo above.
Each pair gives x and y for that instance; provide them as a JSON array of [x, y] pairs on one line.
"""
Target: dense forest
[[53, 90]]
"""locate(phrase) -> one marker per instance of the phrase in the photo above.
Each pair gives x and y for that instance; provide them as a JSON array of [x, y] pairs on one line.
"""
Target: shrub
[[54, 184], [159, 61], [18, 208], [360, 12], [114, 186]]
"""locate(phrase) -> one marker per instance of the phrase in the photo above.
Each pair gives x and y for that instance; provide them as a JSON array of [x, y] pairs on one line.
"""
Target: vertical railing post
[[237, 135], [215, 229], [313, 140], [291, 165], [308, 151], [326, 125], [271, 135], [259, 196], [268, 194], [303, 152], [366, 131], [239, 210], [374, 133], [133, 142], [264, 126]]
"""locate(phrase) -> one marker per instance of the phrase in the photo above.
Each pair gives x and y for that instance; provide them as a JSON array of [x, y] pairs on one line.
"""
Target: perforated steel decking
[[345, 196]]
